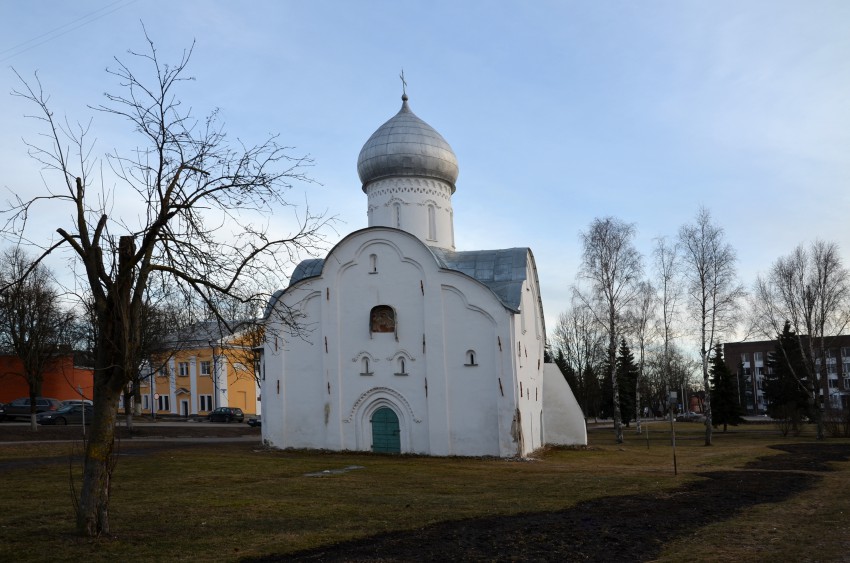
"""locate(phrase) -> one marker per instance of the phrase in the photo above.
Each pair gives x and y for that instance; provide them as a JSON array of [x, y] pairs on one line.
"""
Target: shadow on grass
[[624, 528]]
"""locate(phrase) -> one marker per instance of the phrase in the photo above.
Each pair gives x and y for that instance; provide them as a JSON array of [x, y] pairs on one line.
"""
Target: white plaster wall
[[463, 412], [527, 356], [403, 269], [413, 195], [303, 388], [473, 392], [563, 421]]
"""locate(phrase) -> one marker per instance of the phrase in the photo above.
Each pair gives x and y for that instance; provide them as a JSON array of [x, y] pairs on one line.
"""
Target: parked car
[[70, 414], [690, 417], [2, 411], [255, 421], [20, 408], [77, 402], [226, 414]]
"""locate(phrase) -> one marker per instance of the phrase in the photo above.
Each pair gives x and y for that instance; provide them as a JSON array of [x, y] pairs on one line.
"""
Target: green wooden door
[[385, 431]]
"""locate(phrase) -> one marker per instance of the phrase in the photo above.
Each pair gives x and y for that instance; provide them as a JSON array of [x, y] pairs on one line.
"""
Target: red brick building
[[61, 381]]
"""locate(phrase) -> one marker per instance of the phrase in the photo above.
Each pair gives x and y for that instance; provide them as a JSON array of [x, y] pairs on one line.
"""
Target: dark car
[[2, 411], [70, 414], [20, 408], [690, 417], [255, 422], [226, 414]]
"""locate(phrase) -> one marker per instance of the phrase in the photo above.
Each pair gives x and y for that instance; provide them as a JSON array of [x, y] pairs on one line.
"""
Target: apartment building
[[749, 360]]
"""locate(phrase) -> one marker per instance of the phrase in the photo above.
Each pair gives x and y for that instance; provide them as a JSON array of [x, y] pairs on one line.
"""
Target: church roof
[[503, 271], [406, 146], [306, 269]]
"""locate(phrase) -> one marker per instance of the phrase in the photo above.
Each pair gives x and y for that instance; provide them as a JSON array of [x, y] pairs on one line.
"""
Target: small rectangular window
[[205, 368], [183, 369]]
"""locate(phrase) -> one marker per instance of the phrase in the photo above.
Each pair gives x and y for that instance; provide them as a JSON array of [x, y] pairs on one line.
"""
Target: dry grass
[[225, 501]]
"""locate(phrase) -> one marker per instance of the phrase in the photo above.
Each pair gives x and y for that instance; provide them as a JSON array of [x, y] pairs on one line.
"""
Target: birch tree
[[810, 289], [611, 266], [713, 290], [666, 265], [198, 217], [641, 317]]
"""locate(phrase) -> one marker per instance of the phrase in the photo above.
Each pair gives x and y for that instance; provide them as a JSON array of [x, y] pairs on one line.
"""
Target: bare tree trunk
[[93, 509], [707, 386], [115, 351], [612, 361], [137, 399], [128, 408]]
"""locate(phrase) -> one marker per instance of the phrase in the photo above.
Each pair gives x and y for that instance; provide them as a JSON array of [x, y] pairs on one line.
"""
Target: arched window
[[470, 358], [401, 367], [397, 215], [365, 366], [373, 264], [432, 223], [382, 319]]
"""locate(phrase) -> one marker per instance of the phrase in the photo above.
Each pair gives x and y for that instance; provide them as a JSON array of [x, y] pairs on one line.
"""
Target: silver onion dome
[[406, 146]]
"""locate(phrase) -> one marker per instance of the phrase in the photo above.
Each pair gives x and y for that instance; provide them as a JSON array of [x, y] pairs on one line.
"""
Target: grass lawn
[[221, 502]]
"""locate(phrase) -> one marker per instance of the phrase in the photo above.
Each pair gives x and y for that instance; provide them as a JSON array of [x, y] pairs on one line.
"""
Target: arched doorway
[[385, 431]]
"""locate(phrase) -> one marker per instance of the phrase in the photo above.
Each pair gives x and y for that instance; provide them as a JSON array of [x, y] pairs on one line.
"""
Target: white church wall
[[326, 399], [562, 416], [272, 382], [403, 203], [472, 389], [302, 398], [397, 283], [528, 358]]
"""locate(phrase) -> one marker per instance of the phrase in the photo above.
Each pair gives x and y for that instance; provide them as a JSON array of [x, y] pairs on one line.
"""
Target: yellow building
[[204, 369]]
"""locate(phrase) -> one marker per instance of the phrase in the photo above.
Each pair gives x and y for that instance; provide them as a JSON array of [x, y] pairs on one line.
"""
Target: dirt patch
[[624, 528]]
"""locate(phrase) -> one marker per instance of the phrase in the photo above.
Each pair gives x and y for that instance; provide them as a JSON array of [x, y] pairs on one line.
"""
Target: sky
[[558, 112]]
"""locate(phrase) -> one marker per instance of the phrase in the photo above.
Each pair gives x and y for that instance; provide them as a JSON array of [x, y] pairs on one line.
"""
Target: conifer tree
[[724, 394], [627, 375], [787, 390]]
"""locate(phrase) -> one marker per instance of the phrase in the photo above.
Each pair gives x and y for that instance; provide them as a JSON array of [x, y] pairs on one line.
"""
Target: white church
[[406, 344]]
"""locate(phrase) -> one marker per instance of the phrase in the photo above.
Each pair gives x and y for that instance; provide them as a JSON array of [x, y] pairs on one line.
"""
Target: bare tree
[[666, 260], [713, 291], [810, 289], [200, 222], [33, 325], [612, 267], [577, 336], [640, 321]]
